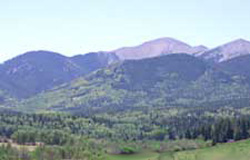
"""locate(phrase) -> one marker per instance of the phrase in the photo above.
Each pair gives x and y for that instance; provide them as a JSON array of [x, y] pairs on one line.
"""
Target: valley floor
[[230, 151]]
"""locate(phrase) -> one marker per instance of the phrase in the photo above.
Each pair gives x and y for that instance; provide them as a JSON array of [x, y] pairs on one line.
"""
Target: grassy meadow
[[231, 151]]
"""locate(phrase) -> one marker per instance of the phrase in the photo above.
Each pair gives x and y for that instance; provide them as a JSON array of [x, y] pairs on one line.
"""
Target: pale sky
[[79, 26]]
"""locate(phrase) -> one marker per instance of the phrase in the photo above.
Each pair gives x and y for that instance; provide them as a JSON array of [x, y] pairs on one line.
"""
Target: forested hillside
[[160, 131], [37, 71], [171, 80]]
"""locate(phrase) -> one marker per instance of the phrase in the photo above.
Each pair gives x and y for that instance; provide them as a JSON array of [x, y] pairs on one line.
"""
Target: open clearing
[[20, 147], [231, 151]]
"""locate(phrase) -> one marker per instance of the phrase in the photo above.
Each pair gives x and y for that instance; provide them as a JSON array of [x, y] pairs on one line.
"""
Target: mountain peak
[[238, 43], [41, 52], [233, 49], [240, 40], [154, 48], [35, 56], [165, 40]]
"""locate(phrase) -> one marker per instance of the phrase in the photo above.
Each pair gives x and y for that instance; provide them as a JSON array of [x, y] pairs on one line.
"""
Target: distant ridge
[[234, 49], [37, 71], [167, 45], [156, 48]]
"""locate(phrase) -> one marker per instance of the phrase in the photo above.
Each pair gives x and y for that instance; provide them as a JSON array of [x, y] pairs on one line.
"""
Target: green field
[[232, 151]]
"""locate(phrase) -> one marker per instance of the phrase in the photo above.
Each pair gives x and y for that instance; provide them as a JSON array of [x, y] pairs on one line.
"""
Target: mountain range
[[163, 72]]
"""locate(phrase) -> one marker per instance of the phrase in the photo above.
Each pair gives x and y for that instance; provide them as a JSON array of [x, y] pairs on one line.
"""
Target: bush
[[128, 150]]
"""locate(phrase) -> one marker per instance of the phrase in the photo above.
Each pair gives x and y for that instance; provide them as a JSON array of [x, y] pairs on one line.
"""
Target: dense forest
[[126, 132]]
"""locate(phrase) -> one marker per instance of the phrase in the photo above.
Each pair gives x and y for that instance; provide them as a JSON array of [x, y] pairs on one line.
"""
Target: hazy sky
[[79, 26]]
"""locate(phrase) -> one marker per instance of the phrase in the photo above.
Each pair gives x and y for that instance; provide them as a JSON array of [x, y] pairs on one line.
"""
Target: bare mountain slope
[[237, 48], [156, 48]]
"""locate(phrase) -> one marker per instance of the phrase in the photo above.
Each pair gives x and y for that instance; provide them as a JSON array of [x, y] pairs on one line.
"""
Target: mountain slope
[[134, 83], [33, 72], [37, 71], [156, 48], [95, 60], [237, 66], [228, 51], [171, 80], [165, 80]]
